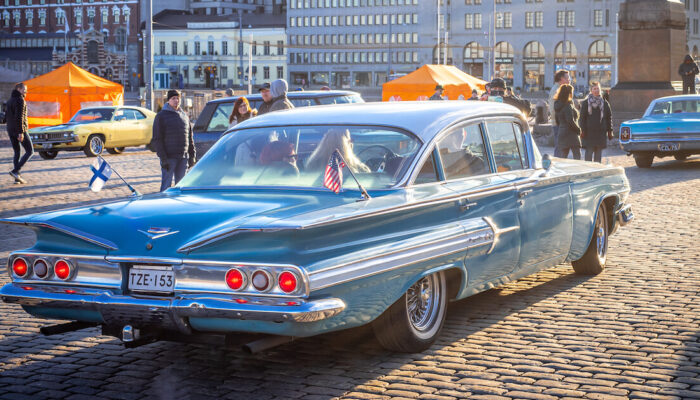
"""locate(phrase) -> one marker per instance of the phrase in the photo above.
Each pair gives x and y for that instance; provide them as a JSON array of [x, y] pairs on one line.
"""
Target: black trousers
[[594, 152], [689, 87], [563, 152], [28, 150]]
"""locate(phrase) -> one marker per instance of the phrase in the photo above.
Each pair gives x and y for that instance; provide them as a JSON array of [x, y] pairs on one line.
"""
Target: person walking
[[173, 141], [561, 77], [278, 90], [687, 70], [439, 90], [566, 117], [16, 116], [266, 98], [596, 123]]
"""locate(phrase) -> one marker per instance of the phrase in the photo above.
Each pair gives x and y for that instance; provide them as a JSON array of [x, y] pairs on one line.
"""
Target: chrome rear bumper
[[152, 310]]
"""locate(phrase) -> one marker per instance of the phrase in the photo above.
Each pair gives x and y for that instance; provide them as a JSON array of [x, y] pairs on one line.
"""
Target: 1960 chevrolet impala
[[451, 199]]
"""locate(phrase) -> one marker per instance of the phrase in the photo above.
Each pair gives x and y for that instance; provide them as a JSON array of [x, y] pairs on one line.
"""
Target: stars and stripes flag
[[333, 178]]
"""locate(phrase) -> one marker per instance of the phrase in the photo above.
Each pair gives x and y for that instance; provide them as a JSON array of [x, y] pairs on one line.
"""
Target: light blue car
[[670, 127], [436, 201]]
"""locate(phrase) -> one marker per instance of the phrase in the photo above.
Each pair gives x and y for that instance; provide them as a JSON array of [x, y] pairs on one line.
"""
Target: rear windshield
[[676, 106]]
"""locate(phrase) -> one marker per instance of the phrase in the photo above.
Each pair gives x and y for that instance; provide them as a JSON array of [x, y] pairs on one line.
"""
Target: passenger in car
[[281, 157], [248, 152], [340, 139], [459, 161]]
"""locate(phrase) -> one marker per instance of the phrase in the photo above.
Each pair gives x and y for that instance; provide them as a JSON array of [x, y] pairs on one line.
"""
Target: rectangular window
[[571, 18], [280, 72], [463, 153], [529, 19], [197, 48], [509, 155], [224, 72], [695, 5], [477, 21], [499, 20], [255, 48], [468, 21], [210, 47], [224, 48], [184, 48], [280, 47], [266, 48], [173, 48], [266, 72], [695, 27], [292, 21], [508, 19], [162, 48], [560, 19], [539, 19], [597, 17]]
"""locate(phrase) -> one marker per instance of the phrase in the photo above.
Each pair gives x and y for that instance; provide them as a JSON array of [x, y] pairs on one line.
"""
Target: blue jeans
[[177, 168], [26, 143], [555, 131]]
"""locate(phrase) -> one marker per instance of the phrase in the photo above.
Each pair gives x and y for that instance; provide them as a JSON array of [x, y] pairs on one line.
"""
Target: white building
[[206, 51]]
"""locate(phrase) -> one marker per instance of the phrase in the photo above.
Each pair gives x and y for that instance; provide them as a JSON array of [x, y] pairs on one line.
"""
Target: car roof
[[291, 95], [423, 118], [678, 97]]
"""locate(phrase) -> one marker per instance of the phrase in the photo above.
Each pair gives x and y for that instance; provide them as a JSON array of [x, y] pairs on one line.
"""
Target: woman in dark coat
[[596, 123], [567, 117]]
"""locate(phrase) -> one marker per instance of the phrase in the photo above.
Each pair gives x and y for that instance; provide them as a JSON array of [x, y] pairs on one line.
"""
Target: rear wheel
[[94, 146], [414, 321], [48, 154], [593, 261], [115, 150], [680, 157], [643, 160]]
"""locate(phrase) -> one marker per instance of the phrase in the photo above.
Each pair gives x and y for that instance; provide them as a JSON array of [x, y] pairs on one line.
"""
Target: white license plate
[[151, 279], [47, 145], [668, 147]]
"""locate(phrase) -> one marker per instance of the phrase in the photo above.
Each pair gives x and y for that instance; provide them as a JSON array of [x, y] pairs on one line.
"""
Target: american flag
[[333, 178]]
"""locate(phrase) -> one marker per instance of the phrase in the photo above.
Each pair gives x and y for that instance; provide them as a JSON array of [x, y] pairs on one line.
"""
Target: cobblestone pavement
[[631, 332]]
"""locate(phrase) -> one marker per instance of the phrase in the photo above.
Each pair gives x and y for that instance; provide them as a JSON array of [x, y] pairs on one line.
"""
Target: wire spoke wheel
[[421, 301], [601, 231]]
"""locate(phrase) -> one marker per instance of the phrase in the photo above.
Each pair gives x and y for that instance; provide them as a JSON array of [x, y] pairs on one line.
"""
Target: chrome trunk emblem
[[154, 233]]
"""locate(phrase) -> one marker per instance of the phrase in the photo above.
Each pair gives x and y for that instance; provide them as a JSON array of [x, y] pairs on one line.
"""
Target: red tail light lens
[[62, 269], [20, 267], [41, 269], [625, 133], [288, 282], [235, 279], [261, 280]]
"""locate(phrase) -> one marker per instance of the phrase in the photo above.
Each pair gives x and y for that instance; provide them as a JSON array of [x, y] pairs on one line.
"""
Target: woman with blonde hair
[[241, 112], [335, 138], [566, 118]]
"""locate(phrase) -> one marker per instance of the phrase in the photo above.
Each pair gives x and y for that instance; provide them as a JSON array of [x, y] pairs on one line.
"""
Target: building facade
[[199, 51], [31, 30], [357, 43]]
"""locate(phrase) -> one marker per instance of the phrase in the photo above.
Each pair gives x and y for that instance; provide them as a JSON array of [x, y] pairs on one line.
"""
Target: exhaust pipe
[[266, 343]]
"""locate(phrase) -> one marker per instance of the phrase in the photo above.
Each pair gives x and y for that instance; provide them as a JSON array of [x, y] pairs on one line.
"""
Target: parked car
[[95, 129], [459, 200], [212, 122], [669, 127]]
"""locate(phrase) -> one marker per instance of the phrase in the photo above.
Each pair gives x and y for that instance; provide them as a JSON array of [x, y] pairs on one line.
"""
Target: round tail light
[[235, 279], [261, 280], [20, 267], [288, 282], [41, 269], [62, 269]]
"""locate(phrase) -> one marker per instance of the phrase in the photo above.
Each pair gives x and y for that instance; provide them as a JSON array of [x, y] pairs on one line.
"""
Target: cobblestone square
[[631, 332]]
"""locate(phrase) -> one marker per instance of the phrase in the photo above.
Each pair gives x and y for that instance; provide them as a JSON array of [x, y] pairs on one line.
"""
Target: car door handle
[[524, 193], [464, 204]]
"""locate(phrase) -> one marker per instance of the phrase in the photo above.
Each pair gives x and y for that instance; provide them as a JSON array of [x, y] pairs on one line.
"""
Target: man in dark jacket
[[497, 93], [17, 130], [439, 90], [173, 141], [278, 90], [266, 97], [687, 71]]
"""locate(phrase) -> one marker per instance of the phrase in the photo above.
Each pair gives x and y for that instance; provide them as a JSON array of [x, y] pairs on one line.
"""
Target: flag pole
[[364, 193], [134, 192]]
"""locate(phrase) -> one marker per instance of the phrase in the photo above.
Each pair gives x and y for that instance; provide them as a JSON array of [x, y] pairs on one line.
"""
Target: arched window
[[600, 48], [561, 50], [92, 54], [504, 62], [533, 50], [533, 67], [504, 50], [600, 63], [439, 59], [474, 59], [473, 50]]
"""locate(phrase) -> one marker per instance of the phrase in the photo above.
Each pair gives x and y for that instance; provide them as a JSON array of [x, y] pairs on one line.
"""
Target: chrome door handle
[[464, 204], [524, 193]]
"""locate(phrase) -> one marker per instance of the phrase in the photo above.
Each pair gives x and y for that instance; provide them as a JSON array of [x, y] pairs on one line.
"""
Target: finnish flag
[[101, 171]]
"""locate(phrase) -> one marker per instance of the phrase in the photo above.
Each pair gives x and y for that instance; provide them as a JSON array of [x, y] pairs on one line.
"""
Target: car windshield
[[93, 115], [340, 99], [298, 156], [676, 106]]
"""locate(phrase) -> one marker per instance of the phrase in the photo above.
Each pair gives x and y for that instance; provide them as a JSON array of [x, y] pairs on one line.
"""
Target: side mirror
[[547, 162]]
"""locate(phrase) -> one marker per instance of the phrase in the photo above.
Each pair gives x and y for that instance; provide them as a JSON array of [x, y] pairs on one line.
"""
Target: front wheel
[[48, 154], [593, 260], [643, 160], [94, 146], [115, 150], [414, 321]]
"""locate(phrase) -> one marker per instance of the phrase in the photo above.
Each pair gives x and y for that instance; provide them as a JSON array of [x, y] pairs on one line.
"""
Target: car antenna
[[134, 192], [365, 195]]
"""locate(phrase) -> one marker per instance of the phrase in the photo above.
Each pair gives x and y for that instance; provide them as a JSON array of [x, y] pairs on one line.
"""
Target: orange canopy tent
[[420, 84], [53, 98]]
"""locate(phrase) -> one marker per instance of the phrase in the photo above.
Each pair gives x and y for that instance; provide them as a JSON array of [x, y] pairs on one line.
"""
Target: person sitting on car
[[241, 112], [335, 138]]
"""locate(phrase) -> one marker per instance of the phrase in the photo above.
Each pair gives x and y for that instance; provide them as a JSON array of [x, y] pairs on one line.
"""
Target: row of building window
[[695, 5], [357, 38], [398, 57], [224, 50], [348, 3], [61, 16], [354, 20], [38, 42], [533, 19], [17, 3], [223, 70], [534, 49]]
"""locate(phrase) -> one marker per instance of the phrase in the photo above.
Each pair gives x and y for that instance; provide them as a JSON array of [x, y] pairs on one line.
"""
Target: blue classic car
[[321, 219], [670, 127]]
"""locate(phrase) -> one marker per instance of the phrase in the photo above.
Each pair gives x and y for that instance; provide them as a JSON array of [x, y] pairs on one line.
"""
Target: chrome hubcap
[[96, 145], [600, 236], [422, 303]]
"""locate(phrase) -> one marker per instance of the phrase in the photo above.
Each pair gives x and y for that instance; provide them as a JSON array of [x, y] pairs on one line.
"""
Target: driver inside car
[[340, 139], [280, 157]]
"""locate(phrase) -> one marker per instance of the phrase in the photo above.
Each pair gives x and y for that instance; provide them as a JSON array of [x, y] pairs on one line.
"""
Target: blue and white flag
[[101, 171]]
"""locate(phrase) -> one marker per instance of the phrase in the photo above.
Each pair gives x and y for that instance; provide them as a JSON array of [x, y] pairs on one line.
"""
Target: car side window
[[219, 121], [130, 115], [661, 107], [301, 102], [139, 114], [506, 151], [521, 143], [427, 173], [462, 152]]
